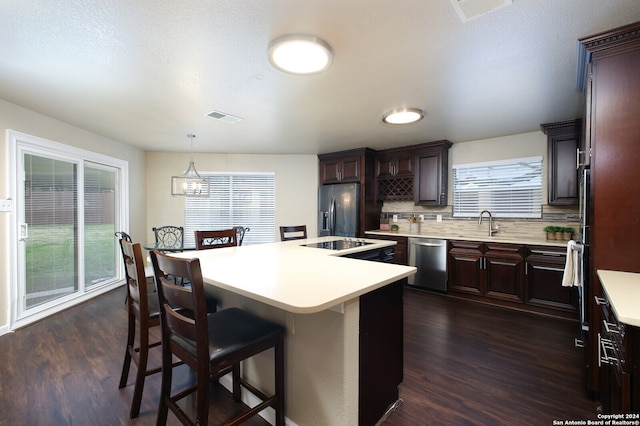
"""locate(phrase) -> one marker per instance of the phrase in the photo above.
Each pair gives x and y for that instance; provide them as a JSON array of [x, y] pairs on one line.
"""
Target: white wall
[[296, 185], [22, 120]]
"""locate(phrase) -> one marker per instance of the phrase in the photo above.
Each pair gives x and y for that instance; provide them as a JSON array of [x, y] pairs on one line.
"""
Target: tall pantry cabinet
[[612, 129]]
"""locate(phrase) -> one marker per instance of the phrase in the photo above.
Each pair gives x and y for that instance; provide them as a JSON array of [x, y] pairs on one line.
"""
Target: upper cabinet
[[563, 152], [341, 169], [431, 176], [394, 175], [416, 173]]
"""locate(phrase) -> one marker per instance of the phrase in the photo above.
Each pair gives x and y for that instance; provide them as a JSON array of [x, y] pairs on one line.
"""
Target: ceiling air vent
[[223, 116], [471, 9]]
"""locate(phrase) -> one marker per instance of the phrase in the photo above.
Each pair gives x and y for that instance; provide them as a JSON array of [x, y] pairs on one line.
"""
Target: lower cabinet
[[491, 270], [619, 360], [515, 275], [543, 275], [400, 249]]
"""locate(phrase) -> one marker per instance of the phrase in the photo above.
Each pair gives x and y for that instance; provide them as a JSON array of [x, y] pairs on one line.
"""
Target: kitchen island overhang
[[317, 294]]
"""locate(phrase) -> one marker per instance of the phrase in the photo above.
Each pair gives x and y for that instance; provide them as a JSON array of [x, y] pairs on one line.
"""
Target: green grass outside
[[50, 258]]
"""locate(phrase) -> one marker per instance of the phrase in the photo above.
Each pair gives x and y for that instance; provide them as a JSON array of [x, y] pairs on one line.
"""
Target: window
[[238, 199], [511, 188]]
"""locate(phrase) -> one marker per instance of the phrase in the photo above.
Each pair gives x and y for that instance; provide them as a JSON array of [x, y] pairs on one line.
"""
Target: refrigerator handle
[[332, 217]]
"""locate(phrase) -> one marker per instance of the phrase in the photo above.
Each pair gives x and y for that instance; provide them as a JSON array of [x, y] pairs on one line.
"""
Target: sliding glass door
[[69, 204], [49, 229]]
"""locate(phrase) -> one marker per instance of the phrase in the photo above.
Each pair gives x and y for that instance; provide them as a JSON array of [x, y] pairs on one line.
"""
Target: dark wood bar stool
[[211, 344], [293, 232], [142, 308]]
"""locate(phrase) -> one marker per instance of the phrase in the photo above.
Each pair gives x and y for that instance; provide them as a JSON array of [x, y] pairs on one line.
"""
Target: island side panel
[[322, 361], [381, 351]]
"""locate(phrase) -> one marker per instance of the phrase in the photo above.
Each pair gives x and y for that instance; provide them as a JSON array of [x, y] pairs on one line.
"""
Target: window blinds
[[511, 188], [238, 199]]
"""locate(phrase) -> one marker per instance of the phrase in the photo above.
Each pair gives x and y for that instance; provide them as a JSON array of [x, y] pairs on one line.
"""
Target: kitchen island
[[343, 318]]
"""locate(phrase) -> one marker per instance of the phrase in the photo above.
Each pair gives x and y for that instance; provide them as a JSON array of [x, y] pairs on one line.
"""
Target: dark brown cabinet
[[340, 170], [611, 111], [414, 172], [514, 275], [504, 270], [357, 166], [563, 143], [490, 270], [394, 164], [619, 360], [430, 182], [400, 255], [465, 265], [543, 278]]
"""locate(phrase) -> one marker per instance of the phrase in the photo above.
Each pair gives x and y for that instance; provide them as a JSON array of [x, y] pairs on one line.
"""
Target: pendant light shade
[[190, 183]]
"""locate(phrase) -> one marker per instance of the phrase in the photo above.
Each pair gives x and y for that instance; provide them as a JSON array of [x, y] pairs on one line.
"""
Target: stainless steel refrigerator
[[338, 207]]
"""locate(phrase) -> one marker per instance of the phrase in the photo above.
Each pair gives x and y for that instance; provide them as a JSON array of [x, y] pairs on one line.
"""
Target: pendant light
[[190, 183]]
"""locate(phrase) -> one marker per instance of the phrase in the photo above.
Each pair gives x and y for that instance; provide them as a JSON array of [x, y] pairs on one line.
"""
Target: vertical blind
[[238, 199], [510, 188]]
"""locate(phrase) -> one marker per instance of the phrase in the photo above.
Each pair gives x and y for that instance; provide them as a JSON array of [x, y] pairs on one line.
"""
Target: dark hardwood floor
[[465, 364], [468, 363]]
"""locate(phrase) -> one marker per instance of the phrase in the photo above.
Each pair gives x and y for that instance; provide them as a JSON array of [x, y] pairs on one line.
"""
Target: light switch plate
[[439, 218], [395, 217], [6, 205]]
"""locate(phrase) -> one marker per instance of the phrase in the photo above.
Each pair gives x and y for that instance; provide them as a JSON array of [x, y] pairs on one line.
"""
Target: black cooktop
[[339, 244]]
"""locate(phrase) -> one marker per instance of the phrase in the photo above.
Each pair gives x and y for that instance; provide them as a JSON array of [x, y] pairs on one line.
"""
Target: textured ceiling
[[146, 73]]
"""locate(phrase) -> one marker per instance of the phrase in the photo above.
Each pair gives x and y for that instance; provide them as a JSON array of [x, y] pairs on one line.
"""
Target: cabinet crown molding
[[613, 41]]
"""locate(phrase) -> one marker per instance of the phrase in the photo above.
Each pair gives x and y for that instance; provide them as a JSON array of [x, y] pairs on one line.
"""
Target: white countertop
[[623, 292], [469, 237], [295, 278]]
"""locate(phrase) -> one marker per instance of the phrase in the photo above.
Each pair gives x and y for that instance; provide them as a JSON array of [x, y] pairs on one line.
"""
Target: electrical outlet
[[439, 218], [421, 218], [5, 205], [395, 217]]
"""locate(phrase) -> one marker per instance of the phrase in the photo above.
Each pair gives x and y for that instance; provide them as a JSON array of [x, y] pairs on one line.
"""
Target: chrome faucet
[[491, 230]]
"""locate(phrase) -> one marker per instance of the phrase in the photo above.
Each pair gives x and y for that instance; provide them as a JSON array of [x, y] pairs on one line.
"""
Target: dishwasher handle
[[421, 243]]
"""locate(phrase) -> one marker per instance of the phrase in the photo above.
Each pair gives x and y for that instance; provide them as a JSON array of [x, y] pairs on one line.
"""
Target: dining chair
[[216, 239], [241, 231], [293, 232], [142, 308], [169, 236], [210, 344]]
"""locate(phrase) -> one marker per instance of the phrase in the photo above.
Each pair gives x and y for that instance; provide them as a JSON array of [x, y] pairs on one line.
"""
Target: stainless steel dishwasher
[[430, 257]]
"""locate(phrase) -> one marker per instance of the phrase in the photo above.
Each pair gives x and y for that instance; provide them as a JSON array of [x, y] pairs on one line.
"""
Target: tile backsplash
[[533, 228]]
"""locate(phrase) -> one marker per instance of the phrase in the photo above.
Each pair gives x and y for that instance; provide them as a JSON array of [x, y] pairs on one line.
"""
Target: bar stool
[[210, 344], [293, 232]]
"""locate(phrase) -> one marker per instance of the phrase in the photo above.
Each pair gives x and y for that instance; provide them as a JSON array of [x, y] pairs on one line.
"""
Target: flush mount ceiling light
[[300, 54], [403, 116], [190, 183]]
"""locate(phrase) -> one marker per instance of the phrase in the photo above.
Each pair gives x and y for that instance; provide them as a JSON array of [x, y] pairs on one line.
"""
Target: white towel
[[571, 268]]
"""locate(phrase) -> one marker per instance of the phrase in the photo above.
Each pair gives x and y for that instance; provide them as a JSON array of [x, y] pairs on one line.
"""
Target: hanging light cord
[[190, 136]]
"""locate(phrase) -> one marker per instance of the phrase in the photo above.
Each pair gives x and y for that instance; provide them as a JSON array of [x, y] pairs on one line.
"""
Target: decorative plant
[[551, 229]]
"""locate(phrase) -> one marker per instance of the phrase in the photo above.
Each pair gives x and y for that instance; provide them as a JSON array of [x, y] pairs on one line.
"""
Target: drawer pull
[[611, 328], [606, 347], [601, 301]]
